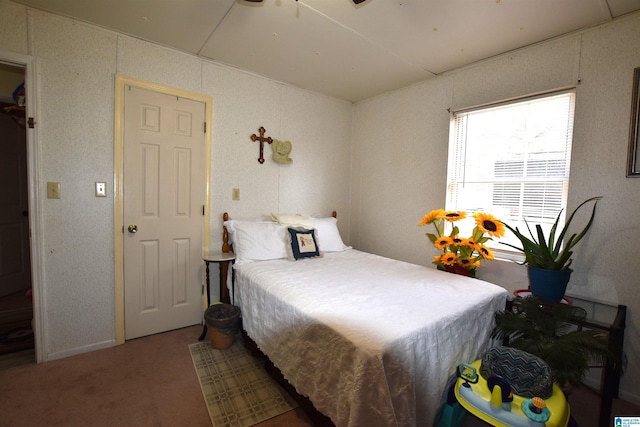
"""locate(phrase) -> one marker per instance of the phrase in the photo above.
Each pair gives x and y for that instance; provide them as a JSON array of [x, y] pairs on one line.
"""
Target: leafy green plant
[[547, 332], [549, 253]]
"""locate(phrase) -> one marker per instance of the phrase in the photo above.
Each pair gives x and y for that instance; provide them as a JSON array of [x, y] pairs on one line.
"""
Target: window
[[512, 160]]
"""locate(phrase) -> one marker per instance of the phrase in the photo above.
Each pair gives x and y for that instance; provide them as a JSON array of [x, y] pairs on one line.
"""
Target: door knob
[[133, 228]]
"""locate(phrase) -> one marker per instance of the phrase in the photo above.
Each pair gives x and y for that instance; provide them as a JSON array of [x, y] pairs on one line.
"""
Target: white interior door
[[163, 199]]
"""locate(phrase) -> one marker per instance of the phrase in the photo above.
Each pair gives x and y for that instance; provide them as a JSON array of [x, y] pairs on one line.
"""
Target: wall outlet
[[235, 194], [53, 190]]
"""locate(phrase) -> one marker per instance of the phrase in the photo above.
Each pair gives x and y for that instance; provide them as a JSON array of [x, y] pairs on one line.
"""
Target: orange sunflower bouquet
[[462, 255]]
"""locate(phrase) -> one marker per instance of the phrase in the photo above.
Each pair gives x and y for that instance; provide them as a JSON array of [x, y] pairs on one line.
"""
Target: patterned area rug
[[237, 390]]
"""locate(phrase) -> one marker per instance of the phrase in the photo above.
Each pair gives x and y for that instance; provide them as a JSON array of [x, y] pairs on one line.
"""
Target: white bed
[[369, 340]]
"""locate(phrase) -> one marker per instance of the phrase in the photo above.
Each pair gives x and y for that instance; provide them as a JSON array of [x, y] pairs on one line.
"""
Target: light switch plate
[[53, 190], [101, 189]]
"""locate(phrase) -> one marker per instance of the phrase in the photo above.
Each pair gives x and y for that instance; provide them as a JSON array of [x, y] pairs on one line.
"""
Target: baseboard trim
[[629, 397], [79, 350], [622, 394]]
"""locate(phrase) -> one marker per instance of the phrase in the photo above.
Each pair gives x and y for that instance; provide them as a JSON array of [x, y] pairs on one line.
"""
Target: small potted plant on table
[[548, 259]]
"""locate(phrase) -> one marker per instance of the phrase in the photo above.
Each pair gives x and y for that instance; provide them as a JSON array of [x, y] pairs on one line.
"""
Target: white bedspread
[[370, 340]]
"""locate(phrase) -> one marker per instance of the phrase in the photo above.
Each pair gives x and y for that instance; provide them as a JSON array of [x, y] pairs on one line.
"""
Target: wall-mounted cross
[[262, 140]]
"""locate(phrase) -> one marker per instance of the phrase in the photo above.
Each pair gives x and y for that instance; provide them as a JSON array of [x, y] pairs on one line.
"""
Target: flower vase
[[456, 269], [548, 285]]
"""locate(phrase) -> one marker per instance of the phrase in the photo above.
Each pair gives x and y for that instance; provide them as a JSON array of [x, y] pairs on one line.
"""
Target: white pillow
[[257, 240], [329, 239], [294, 220]]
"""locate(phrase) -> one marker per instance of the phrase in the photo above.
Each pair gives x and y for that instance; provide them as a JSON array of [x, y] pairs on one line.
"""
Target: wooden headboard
[[226, 246]]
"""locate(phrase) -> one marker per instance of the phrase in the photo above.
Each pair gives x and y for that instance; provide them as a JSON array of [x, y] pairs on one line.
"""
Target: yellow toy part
[[491, 400]]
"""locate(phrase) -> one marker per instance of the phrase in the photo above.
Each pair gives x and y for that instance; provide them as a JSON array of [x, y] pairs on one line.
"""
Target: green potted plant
[[548, 332], [548, 259]]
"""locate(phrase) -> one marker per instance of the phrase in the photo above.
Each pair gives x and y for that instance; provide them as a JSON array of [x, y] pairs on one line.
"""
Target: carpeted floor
[[236, 388], [151, 381], [148, 381]]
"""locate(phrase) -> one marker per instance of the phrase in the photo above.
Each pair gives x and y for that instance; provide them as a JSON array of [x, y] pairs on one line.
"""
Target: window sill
[[502, 255]]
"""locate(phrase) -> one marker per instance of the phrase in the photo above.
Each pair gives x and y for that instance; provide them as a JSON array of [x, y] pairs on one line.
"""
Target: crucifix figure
[[262, 140]]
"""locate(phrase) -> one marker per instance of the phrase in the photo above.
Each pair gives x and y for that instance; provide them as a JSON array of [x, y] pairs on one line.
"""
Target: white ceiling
[[335, 47]]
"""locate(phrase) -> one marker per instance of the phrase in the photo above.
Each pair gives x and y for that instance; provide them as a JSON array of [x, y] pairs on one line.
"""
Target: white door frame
[[118, 207], [35, 213]]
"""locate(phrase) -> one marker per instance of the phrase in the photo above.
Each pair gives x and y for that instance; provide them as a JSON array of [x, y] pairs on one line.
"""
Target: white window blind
[[512, 160]]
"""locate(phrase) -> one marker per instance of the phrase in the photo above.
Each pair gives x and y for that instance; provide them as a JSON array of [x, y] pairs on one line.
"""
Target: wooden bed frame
[[317, 418]]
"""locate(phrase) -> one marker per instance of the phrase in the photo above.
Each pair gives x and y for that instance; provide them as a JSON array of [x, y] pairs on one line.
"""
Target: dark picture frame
[[633, 159]]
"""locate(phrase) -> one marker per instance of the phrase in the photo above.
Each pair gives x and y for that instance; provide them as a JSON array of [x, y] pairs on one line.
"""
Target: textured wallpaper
[[400, 160], [76, 65]]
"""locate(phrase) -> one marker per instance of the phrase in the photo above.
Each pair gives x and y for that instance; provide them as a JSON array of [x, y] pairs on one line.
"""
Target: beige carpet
[[237, 390], [151, 382]]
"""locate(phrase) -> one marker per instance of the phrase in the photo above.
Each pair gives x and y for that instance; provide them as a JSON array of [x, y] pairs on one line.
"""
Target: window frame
[[556, 188]]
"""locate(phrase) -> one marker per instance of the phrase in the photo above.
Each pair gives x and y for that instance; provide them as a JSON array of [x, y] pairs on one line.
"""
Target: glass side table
[[224, 260], [609, 318]]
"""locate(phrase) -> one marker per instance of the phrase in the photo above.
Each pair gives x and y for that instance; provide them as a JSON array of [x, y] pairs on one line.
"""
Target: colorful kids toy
[[508, 388]]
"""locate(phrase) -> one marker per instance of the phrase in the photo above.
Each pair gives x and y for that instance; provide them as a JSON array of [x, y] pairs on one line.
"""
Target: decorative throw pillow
[[302, 243]]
